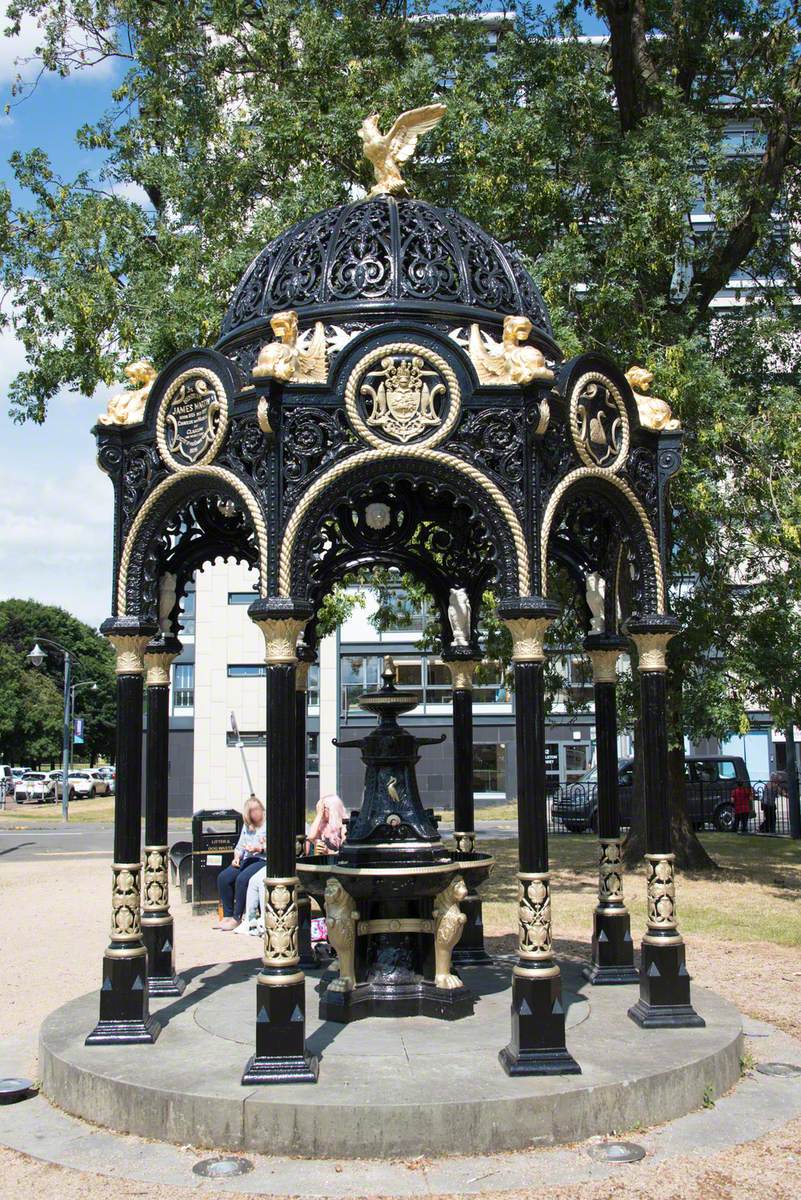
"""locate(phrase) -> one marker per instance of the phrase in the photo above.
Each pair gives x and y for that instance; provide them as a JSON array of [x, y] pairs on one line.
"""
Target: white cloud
[[133, 192], [56, 506], [15, 50]]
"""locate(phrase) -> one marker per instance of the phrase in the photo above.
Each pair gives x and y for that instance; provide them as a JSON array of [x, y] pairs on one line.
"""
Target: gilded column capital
[[281, 621], [129, 636], [604, 665], [651, 635], [651, 650], [462, 671], [280, 638], [130, 651], [159, 657], [528, 637]]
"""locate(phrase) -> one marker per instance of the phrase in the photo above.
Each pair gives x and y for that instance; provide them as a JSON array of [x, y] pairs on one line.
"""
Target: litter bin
[[215, 833]]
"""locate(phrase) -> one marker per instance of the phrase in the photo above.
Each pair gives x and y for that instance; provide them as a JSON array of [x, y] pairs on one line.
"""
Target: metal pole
[[241, 746], [65, 803], [792, 782]]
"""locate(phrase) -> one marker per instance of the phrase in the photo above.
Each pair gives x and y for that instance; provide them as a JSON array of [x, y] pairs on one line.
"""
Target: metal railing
[[572, 807]]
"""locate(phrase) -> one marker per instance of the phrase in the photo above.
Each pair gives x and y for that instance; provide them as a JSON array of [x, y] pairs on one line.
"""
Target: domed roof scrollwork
[[404, 253]]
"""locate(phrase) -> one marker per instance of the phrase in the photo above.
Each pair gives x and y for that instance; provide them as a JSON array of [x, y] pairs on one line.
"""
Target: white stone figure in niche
[[596, 601], [459, 617], [167, 594]]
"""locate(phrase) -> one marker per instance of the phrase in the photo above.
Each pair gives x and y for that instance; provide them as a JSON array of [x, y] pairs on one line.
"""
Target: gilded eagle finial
[[388, 151]]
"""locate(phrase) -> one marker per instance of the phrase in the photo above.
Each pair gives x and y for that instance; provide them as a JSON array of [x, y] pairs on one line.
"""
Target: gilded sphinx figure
[[341, 917], [127, 408], [449, 922], [654, 413]]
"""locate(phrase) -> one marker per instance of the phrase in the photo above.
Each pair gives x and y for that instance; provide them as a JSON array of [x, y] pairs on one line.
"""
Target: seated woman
[[328, 828], [249, 857]]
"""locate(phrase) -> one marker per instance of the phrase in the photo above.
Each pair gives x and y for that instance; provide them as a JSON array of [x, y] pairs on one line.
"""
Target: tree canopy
[[31, 700]]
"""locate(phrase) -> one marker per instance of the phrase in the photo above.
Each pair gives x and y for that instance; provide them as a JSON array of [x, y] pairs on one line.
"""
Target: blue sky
[[55, 505]]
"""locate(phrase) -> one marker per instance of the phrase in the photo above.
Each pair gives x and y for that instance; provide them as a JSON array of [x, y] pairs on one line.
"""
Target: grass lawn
[[755, 896], [99, 809]]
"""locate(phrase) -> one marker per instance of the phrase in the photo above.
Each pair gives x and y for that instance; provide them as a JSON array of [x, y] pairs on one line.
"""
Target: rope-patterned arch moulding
[[411, 452], [615, 482], [213, 473]]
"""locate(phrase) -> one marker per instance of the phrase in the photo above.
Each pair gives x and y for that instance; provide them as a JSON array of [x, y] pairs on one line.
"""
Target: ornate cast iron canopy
[[387, 390]]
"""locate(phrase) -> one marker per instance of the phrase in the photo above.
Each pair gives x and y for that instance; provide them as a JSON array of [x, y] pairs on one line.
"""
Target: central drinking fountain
[[392, 893]]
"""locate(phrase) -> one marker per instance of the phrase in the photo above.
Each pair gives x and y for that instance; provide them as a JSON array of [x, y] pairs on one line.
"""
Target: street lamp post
[[37, 657], [90, 683]]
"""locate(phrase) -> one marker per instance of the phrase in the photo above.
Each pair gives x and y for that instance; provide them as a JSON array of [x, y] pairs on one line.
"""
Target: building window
[[428, 678], [186, 616], [248, 738], [241, 597], [183, 686], [313, 692], [489, 768], [312, 754], [246, 670], [577, 760]]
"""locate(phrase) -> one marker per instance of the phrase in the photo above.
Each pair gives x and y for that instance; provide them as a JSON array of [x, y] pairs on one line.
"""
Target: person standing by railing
[[742, 796], [770, 794]]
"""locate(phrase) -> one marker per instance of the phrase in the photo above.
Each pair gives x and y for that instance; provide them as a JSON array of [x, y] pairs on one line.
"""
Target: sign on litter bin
[[215, 833]]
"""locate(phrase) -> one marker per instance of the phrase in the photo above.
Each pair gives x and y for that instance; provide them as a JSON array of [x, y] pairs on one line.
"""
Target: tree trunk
[[792, 781], [690, 854]]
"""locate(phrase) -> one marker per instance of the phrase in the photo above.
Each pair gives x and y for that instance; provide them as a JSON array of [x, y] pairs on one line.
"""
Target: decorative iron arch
[[424, 528], [633, 524], [412, 464], [135, 576]]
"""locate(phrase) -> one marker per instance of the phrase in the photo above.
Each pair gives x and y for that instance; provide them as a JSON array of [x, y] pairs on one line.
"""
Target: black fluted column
[[158, 932], [537, 1045], [664, 981], [470, 949], [281, 1055], [305, 659], [612, 947], [124, 1011]]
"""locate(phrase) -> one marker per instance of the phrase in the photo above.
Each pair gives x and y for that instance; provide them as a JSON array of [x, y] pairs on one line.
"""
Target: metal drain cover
[[14, 1089], [778, 1069], [222, 1168], [616, 1152]]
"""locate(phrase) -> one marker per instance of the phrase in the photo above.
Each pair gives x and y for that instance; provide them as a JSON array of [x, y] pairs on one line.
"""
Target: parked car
[[103, 785], [709, 782], [81, 783], [34, 788], [18, 772]]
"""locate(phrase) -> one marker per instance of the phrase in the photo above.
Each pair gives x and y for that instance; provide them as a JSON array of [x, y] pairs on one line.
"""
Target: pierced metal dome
[[385, 254]]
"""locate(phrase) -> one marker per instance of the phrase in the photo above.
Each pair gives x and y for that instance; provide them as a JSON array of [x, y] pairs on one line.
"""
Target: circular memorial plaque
[[192, 419]]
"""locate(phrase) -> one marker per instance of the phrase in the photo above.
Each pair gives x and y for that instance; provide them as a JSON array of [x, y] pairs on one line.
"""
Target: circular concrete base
[[387, 1087]]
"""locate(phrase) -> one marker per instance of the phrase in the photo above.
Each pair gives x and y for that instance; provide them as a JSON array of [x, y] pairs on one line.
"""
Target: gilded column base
[[281, 1055], [537, 1045], [664, 1001], [124, 1011]]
